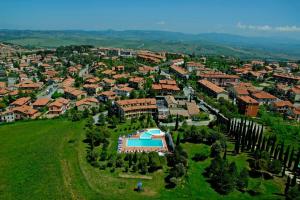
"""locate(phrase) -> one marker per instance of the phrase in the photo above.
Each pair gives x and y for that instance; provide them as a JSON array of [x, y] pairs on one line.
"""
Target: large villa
[[147, 140]]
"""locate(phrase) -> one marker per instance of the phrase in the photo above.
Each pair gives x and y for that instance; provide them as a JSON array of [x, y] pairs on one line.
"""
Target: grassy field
[[46, 160]]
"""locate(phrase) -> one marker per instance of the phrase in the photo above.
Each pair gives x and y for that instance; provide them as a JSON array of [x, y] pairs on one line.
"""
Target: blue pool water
[[132, 142], [148, 134]]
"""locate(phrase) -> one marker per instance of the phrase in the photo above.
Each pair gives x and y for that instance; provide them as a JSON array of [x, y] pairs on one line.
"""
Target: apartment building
[[134, 108]]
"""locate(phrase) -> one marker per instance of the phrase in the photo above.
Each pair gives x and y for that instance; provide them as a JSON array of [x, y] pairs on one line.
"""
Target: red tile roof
[[211, 86]]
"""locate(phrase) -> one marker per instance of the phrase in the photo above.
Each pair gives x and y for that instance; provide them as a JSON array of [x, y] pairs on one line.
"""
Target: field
[[46, 160]]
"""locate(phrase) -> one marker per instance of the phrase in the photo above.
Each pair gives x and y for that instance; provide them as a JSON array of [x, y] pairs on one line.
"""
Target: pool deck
[[123, 148]]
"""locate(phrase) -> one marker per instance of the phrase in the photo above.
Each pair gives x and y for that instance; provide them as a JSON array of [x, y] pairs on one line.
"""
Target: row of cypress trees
[[249, 136]]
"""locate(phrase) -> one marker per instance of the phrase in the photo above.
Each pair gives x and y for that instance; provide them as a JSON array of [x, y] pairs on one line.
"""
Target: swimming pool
[[148, 134], [132, 142]]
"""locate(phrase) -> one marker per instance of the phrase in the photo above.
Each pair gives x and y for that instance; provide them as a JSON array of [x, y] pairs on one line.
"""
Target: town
[[47, 83], [143, 109]]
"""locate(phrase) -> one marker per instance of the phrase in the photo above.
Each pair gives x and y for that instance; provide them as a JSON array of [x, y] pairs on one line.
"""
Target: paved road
[[191, 123], [84, 71], [96, 117], [48, 91]]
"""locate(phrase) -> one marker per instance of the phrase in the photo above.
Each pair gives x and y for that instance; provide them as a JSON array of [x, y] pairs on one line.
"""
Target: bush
[[200, 156]]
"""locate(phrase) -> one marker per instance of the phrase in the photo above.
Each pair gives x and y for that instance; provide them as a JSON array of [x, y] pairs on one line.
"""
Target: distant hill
[[205, 43]]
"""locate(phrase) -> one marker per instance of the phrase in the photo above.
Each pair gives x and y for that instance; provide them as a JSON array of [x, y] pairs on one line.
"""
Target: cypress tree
[[225, 152], [255, 136], [237, 145], [250, 136], [268, 144], [294, 180], [178, 140], [262, 148], [280, 156], [286, 157], [177, 123], [259, 143], [287, 185], [273, 147], [291, 158], [276, 152], [297, 161]]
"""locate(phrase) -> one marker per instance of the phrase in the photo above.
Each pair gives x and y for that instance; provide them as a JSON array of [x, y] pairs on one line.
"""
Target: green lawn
[[46, 160]]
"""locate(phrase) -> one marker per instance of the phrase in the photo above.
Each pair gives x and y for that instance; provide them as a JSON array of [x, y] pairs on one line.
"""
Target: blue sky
[[244, 17]]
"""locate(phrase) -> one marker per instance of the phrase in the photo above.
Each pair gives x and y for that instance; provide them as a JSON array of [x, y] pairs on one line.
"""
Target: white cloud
[[288, 28], [268, 28], [161, 23]]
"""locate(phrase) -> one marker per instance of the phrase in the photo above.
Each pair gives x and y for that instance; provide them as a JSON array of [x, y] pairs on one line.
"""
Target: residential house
[[179, 71], [123, 91], [247, 106], [212, 89], [74, 94], [219, 78], [59, 106], [263, 97], [106, 96], [166, 87], [20, 102], [92, 89], [281, 106], [137, 82], [87, 103], [25, 112], [41, 103]]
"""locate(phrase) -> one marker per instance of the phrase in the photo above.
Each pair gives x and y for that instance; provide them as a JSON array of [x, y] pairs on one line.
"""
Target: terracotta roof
[[218, 75], [136, 79], [110, 81], [21, 101], [283, 104], [211, 86], [247, 99], [3, 91], [2, 84], [86, 101], [295, 90], [241, 91], [168, 82], [41, 102], [165, 87], [296, 111], [25, 110], [59, 102], [148, 101], [74, 91], [179, 70], [94, 86], [263, 95], [127, 89]]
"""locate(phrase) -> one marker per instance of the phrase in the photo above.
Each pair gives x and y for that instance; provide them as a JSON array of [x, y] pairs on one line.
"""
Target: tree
[[154, 161], [294, 193], [297, 161], [287, 185], [178, 139], [286, 157], [215, 149], [243, 179], [275, 166], [294, 180], [143, 163], [177, 123], [291, 158]]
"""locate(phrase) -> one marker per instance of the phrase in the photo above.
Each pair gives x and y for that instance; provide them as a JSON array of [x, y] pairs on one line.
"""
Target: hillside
[[206, 43], [45, 159]]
